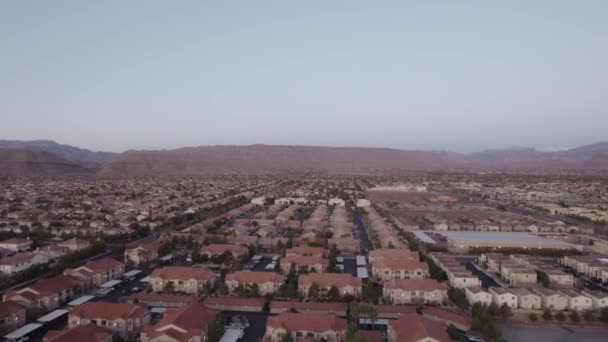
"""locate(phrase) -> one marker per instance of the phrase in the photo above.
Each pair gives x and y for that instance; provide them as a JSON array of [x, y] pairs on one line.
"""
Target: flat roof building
[[466, 240]]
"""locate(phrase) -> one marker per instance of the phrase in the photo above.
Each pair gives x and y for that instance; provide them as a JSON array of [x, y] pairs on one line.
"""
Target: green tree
[[313, 292], [453, 332], [543, 278], [532, 316], [574, 317], [287, 337], [505, 311], [458, 298], [547, 316], [215, 329], [169, 287], [333, 295], [604, 315], [588, 316], [560, 316]]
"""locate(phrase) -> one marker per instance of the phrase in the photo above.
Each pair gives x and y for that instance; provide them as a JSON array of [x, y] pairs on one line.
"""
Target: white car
[[104, 291]]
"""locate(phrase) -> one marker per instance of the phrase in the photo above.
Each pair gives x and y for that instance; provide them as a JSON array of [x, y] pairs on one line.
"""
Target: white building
[[477, 294]]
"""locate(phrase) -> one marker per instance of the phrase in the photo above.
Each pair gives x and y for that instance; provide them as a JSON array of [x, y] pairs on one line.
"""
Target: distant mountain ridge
[[60, 159], [25, 163], [67, 152]]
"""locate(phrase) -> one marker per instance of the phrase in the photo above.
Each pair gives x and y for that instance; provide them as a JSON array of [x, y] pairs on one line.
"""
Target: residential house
[[551, 299], [526, 299], [88, 333], [12, 316], [267, 282], [188, 280], [314, 263], [477, 294], [188, 323], [97, 272], [576, 300], [416, 328], [75, 244], [346, 284], [501, 295], [415, 291], [387, 269], [142, 254], [124, 320], [46, 294], [218, 249], [599, 299], [20, 262], [16, 244], [321, 327]]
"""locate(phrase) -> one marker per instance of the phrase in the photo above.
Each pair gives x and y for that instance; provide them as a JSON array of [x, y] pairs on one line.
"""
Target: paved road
[[486, 280], [350, 265], [366, 243], [257, 324], [552, 334]]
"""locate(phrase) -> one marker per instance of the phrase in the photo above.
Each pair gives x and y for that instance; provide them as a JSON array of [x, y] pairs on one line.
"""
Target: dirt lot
[[456, 213], [404, 197]]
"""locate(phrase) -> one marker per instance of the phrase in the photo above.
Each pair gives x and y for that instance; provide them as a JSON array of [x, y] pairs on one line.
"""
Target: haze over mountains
[[48, 158]]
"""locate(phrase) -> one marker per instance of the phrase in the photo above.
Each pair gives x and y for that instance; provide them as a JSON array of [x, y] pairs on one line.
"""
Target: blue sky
[[441, 75]]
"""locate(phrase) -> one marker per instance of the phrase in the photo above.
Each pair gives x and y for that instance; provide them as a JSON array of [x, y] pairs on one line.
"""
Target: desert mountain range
[[48, 158]]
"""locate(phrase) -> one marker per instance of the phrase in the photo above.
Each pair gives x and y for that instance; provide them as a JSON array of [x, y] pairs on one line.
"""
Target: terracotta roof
[[9, 308], [55, 284], [163, 298], [304, 260], [413, 328], [394, 309], [447, 316], [89, 332], [109, 311], [295, 322], [329, 279], [73, 242], [15, 240], [400, 264], [393, 253], [309, 306], [16, 259], [415, 284], [476, 289], [151, 246], [254, 277], [220, 248], [103, 264], [183, 323], [305, 251], [235, 301], [181, 272]]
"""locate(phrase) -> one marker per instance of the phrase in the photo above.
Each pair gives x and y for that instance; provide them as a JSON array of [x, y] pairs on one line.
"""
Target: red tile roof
[[9, 308], [400, 264], [220, 248], [183, 323], [413, 328], [447, 316], [295, 322], [415, 284], [89, 332], [254, 277], [304, 260], [329, 279], [109, 311], [102, 265], [180, 272], [308, 306]]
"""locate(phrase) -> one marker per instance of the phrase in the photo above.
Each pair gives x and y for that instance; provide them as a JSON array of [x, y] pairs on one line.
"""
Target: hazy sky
[[458, 75]]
